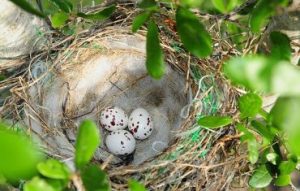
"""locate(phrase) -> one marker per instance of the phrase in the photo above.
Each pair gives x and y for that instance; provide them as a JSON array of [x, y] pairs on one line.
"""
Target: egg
[[140, 124], [120, 142], [113, 118]]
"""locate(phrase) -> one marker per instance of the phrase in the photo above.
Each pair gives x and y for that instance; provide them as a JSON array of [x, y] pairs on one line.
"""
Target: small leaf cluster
[[60, 12], [192, 32], [21, 159], [272, 138]]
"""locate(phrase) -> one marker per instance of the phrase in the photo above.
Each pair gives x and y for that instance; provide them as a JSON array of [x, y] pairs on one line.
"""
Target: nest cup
[[107, 70]]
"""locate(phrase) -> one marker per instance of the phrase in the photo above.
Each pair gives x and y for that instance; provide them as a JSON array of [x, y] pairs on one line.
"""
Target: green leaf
[[136, 186], [225, 6], [155, 58], [64, 5], [193, 34], [263, 130], [259, 73], [249, 105], [283, 180], [58, 184], [248, 71], [59, 19], [287, 167], [293, 158], [2, 180], [100, 15], [140, 20], [246, 134], [19, 156], [233, 32], [253, 147], [263, 10], [88, 140], [285, 116], [214, 121], [54, 169], [252, 144], [27, 7], [191, 3], [261, 178], [38, 184], [94, 179], [281, 47], [248, 8], [273, 158], [148, 4]]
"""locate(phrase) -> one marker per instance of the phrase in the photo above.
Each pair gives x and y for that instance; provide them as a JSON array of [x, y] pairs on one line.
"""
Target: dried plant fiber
[[105, 71]]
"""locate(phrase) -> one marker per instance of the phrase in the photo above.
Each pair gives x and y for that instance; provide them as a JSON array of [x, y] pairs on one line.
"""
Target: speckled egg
[[120, 142], [140, 124], [113, 118]]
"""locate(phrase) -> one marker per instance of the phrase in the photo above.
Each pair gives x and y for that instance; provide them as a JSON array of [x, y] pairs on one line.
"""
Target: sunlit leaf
[[19, 156], [139, 20], [225, 6], [94, 179], [58, 184], [59, 19], [155, 58], [246, 135], [287, 167], [38, 184], [252, 144], [53, 169], [88, 140], [263, 10], [100, 15], [285, 116], [28, 7], [259, 73], [261, 178], [192, 33], [191, 3], [249, 105], [135, 186], [214, 121], [2, 180], [253, 152], [273, 158], [283, 180]]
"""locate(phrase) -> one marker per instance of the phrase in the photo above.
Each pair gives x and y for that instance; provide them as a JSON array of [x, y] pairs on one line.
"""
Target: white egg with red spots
[[140, 124], [113, 118], [120, 142]]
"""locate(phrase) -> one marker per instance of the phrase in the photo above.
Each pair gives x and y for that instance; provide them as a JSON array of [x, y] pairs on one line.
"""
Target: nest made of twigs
[[198, 158]]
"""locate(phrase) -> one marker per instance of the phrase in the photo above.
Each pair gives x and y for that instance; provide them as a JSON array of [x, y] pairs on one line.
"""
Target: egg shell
[[113, 118], [120, 142], [140, 124]]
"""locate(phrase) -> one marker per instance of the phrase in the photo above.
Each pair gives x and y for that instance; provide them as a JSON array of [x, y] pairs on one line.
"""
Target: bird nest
[[77, 76]]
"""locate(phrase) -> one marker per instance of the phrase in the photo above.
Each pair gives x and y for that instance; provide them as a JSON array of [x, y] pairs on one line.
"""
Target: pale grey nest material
[[20, 32], [107, 70]]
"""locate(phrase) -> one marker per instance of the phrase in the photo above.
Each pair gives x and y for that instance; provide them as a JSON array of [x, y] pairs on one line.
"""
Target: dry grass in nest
[[199, 159]]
